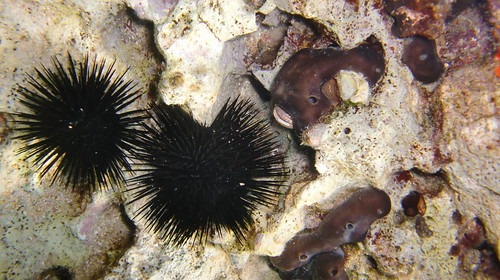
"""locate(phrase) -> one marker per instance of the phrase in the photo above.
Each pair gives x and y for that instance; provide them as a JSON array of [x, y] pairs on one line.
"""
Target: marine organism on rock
[[329, 266], [414, 17], [421, 57], [425, 18], [323, 266], [347, 223], [314, 81], [199, 180], [75, 123], [413, 204]]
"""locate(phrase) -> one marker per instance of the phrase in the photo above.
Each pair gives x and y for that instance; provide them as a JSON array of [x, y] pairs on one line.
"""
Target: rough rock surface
[[472, 136], [441, 140]]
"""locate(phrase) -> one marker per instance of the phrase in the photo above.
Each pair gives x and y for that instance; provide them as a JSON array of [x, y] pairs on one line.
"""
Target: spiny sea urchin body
[[76, 124], [200, 180]]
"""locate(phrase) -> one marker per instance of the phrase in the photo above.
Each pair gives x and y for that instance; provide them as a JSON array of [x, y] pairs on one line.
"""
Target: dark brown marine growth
[[413, 204], [305, 89], [414, 17], [329, 266], [346, 224], [324, 266], [427, 18], [421, 57]]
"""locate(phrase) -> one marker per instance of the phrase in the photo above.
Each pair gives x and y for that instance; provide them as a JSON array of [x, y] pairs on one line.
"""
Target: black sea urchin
[[75, 122], [199, 180]]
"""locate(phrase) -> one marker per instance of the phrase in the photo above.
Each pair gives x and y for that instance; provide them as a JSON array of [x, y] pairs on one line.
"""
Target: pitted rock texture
[[208, 53]]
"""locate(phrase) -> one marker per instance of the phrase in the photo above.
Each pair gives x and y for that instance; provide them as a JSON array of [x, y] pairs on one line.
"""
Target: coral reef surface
[[425, 134]]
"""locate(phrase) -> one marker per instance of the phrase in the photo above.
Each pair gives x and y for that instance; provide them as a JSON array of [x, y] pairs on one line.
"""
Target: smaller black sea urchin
[[75, 122], [199, 180]]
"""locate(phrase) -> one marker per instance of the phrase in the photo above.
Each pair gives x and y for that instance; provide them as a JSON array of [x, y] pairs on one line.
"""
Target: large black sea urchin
[[199, 180], [75, 122]]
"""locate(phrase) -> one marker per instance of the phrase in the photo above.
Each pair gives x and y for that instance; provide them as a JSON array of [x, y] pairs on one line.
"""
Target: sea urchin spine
[[200, 180], [75, 123]]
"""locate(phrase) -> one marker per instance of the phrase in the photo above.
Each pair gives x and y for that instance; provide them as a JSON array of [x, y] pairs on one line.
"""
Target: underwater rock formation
[[449, 125]]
